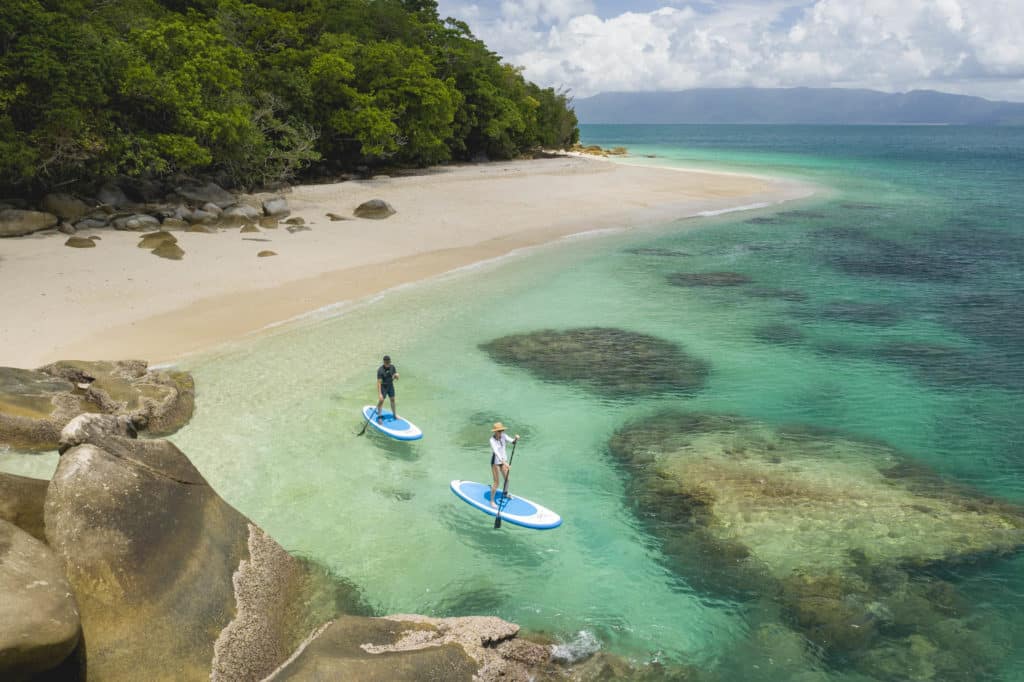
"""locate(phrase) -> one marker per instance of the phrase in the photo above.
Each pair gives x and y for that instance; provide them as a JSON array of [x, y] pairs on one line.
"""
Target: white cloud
[[969, 46]]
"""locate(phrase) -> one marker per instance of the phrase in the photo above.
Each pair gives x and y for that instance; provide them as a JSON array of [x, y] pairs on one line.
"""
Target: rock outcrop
[[21, 503], [171, 580], [16, 222], [39, 625], [36, 404]]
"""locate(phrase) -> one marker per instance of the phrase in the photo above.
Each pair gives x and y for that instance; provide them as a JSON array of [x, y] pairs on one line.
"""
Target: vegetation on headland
[[253, 92]]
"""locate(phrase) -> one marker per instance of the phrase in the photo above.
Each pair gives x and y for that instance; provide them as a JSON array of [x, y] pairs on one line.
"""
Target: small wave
[[722, 211], [581, 647]]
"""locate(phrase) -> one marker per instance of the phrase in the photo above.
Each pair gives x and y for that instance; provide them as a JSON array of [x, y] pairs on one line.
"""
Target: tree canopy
[[253, 91]]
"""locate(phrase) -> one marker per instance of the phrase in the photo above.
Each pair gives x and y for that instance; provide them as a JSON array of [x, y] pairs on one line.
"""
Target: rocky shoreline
[[128, 560]]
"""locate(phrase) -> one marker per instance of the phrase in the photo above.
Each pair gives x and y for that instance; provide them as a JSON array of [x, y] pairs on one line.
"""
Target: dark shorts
[[387, 391]]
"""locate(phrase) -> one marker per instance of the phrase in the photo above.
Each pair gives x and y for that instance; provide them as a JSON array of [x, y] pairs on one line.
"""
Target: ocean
[[882, 316]]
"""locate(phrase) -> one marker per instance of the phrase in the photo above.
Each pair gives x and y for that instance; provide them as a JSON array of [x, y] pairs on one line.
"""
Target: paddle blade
[[497, 520]]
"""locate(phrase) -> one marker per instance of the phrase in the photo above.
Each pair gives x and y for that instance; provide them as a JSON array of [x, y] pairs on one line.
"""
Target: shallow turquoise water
[[920, 247]]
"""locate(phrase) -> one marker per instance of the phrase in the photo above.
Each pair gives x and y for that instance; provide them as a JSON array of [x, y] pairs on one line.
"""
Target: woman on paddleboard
[[499, 461]]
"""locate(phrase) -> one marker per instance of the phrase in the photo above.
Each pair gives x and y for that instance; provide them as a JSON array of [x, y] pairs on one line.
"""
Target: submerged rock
[[708, 279], [792, 295], [611, 362], [780, 333], [657, 251], [831, 528], [36, 404]]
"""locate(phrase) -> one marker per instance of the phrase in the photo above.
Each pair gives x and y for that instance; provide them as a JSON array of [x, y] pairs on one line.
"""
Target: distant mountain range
[[796, 105]]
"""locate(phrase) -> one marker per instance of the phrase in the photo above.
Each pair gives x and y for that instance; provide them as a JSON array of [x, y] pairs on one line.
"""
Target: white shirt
[[498, 447]]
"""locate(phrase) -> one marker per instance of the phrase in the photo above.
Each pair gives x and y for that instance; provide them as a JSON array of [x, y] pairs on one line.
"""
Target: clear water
[[920, 243]]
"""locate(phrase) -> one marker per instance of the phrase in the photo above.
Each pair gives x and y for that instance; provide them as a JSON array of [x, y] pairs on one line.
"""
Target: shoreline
[[122, 302]]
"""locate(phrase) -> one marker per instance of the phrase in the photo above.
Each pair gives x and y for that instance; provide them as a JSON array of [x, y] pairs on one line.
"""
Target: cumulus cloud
[[968, 46]]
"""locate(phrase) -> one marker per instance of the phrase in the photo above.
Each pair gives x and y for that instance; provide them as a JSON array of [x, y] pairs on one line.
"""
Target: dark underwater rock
[[792, 295], [657, 251], [859, 312], [708, 279], [835, 531], [612, 362], [779, 333]]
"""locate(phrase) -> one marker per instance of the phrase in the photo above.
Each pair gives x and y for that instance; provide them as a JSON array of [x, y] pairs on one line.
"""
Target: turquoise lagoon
[[918, 246]]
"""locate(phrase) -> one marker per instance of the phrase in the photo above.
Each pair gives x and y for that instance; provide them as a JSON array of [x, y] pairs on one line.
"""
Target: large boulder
[[171, 580], [274, 205], [64, 206], [112, 195], [36, 404], [841, 534], [21, 503], [16, 222], [138, 222], [374, 209], [209, 193], [614, 363], [39, 625]]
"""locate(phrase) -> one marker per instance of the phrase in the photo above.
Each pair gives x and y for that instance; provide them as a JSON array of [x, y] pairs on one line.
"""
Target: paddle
[[504, 490], [372, 412]]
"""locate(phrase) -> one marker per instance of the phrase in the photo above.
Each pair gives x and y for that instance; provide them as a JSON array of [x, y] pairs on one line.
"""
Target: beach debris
[[298, 228], [80, 243], [39, 624], [829, 528], [265, 254], [36, 404], [336, 217], [708, 279], [170, 251], [612, 362], [295, 221], [15, 222], [374, 209], [155, 239]]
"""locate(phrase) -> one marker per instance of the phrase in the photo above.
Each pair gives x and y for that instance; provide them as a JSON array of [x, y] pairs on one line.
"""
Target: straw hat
[[498, 426]]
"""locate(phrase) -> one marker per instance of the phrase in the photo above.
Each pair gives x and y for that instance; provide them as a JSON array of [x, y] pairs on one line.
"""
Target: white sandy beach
[[118, 301]]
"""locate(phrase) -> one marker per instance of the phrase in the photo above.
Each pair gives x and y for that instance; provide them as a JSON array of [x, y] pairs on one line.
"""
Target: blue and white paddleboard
[[514, 509], [399, 429]]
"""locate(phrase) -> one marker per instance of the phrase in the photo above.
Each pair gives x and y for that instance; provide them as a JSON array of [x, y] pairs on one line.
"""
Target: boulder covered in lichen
[[611, 362], [841, 533], [36, 404]]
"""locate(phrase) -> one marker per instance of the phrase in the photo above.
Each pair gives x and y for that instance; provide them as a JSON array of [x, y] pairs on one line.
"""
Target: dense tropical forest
[[253, 92]]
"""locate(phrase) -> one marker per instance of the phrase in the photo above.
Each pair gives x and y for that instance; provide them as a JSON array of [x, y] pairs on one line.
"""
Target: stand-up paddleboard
[[399, 429], [514, 509]]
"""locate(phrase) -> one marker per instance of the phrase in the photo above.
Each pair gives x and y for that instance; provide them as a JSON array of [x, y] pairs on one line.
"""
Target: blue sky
[[971, 47]]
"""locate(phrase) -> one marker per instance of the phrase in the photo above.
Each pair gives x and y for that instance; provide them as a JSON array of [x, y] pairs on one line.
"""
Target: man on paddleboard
[[499, 462], [387, 375]]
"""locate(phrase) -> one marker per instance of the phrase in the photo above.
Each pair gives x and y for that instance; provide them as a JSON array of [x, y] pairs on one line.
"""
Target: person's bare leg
[[380, 404], [394, 412], [494, 485]]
